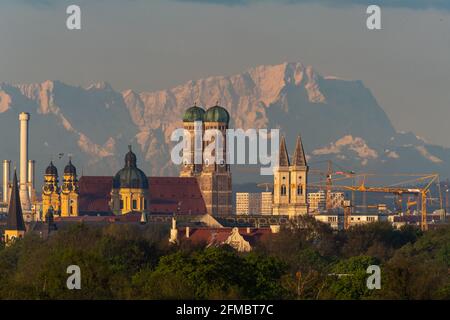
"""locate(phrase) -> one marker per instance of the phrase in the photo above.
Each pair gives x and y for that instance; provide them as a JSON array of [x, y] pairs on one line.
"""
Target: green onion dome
[[194, 114], [217, 114]]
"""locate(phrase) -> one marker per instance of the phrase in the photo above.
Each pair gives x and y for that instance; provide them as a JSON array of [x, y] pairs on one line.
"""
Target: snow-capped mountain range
[[338, 120]]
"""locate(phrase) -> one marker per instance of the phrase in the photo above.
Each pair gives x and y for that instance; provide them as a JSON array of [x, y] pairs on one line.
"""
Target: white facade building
[[336, 220], [253, 203], [316, 201]]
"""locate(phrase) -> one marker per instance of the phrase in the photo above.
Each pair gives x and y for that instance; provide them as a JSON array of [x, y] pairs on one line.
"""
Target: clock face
[[48, 188], [67, 187]]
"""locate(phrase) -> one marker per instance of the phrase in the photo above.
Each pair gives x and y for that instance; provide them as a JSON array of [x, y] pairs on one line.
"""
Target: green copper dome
[[217, 114], [194, 114], [51, 170], [130, 176]]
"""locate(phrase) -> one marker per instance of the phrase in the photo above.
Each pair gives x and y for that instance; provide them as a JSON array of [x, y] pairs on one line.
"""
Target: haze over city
[[147, 46]]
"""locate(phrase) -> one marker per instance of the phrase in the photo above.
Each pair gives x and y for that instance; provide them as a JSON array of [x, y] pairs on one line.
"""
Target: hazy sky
[[150, 45]]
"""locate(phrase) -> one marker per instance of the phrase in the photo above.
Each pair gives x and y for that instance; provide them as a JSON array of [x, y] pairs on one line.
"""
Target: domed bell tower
[[50, 190], [193, 156], [69, 191], [215, 179]]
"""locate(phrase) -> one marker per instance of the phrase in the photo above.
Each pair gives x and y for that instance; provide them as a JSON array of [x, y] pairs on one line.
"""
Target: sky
[[152, 45]]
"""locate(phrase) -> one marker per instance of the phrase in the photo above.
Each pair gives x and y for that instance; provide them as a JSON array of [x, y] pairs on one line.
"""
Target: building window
[[299, 190], [134, 204], [70, 210], [283, 190], [121, 204]]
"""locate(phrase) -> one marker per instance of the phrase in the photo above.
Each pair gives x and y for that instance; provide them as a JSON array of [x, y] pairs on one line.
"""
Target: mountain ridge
[[339, 119]]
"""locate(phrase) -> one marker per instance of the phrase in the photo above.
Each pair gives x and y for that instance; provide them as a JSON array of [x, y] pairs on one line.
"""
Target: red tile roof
[[95, 194], [165, 194], [220, 235]]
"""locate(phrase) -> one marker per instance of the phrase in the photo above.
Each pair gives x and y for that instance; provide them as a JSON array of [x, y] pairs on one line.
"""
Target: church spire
[[283, 160], [15, 217], [299, 154]]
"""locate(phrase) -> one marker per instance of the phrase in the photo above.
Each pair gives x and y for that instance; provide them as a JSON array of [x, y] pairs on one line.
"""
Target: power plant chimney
[[31, 187], [24, 199], [6, 179]]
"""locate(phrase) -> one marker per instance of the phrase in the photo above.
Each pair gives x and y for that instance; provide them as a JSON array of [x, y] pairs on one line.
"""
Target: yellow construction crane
[[396, 189], [328, 174], [399, 191]]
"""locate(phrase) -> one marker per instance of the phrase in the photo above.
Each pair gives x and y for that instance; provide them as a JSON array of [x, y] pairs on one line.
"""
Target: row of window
[[205, 162], [283, 190], [206, 127], [134, 204]]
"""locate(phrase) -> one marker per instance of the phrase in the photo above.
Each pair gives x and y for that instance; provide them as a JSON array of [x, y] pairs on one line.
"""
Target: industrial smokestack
[[6, 179], [31, 165], [24, 199]]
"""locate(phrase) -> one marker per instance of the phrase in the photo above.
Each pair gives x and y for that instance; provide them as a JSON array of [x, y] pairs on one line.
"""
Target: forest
[[306, 260]]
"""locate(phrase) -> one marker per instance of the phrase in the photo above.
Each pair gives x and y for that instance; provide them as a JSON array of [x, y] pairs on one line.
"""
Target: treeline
[[305, 261]]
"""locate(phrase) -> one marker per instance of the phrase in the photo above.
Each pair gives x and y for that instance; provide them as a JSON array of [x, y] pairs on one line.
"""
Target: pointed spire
[[299, 154], [143, 218], [15, 217], [283, 160]]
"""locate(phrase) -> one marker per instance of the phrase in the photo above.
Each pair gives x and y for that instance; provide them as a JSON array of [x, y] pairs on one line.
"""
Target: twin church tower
[[64, 199], [214, 178], [290, 182]]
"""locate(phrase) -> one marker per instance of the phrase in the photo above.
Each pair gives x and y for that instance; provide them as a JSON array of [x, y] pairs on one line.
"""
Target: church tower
[[215, 179], [15, 226], [298, 179], [50, 190], [213, 175], [290, 181], [281, 181], [69, 191], [193, 125]]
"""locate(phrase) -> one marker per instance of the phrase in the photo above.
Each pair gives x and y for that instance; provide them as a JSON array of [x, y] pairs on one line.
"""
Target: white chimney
[[24, 199], [188, 231], [6, 179], [173, 232], [31, 187]]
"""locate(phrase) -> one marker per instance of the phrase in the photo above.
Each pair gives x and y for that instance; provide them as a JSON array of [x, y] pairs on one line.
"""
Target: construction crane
[[396, 189], [328, 174], [399, 191]]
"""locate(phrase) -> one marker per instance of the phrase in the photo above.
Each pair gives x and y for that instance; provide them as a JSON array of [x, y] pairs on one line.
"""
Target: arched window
[[299, 190], [283, 190]]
